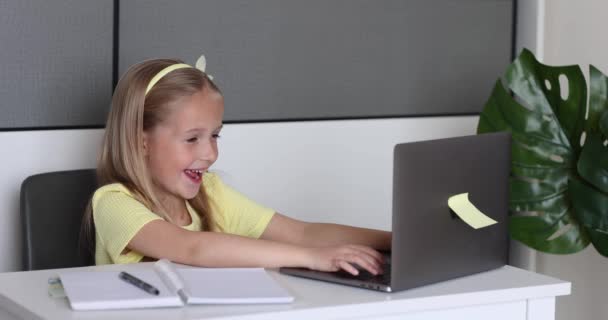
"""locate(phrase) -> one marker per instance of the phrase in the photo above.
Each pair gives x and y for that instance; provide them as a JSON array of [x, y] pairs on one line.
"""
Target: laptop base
[[341, 277]]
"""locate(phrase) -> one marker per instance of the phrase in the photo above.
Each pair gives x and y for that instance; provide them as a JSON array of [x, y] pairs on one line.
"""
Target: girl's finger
[[364, 262], [372, 265], [372, 259], [348, 267], [371, 252]]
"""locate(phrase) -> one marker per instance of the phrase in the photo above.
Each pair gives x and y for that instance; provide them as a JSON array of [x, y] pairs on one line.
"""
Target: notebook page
[[99, 290], [232, 286]]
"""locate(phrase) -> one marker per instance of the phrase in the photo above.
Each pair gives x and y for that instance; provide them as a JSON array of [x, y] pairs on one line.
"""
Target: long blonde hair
[[121, 159]]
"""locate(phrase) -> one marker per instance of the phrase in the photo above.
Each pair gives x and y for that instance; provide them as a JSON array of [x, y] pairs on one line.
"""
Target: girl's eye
[[192, 140], [216, 136]]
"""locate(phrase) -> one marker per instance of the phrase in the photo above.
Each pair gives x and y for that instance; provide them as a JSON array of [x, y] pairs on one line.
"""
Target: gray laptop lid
[[431, 243]]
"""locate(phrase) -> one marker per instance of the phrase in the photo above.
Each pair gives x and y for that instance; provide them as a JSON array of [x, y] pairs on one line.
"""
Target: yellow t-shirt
[[118, 217]]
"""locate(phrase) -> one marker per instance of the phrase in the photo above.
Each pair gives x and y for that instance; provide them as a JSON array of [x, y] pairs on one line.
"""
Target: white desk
[[507, 293]]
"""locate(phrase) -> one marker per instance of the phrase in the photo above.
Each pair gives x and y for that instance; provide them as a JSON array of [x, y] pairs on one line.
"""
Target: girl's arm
[[285, 229], [160, 239]]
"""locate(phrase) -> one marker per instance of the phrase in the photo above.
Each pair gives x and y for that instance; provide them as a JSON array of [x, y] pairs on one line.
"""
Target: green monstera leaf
[[559, 172]]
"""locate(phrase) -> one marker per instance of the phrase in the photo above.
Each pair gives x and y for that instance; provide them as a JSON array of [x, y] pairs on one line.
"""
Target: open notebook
[[178, 286]]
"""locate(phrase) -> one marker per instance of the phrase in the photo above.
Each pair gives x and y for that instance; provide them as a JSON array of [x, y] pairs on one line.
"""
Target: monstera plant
[[559, 171]]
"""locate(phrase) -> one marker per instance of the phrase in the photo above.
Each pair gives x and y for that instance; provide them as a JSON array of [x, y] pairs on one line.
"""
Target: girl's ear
[[145, 142]]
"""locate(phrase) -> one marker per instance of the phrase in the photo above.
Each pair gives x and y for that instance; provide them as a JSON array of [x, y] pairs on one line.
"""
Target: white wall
[[25, 153], [575, 33], [331, 171], [529, 33]]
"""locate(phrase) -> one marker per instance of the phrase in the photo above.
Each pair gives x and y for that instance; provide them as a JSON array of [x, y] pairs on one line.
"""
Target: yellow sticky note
[[468, 212]]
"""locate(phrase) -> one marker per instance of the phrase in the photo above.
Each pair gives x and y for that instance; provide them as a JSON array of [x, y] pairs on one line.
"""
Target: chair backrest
[[52, 207]]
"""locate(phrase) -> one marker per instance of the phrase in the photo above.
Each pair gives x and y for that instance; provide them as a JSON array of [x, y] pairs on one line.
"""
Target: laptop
[[430, 242]]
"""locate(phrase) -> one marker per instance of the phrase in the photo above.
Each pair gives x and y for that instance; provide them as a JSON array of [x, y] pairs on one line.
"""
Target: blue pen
[[138, 283]]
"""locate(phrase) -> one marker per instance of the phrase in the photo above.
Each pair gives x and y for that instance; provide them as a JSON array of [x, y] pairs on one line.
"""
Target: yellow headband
[[201, 64]]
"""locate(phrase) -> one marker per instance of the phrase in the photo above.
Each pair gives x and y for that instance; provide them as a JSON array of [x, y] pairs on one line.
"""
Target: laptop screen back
[[430, 242]]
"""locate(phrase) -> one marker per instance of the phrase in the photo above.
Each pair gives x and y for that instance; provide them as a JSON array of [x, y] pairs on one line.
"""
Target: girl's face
[[183, 146]]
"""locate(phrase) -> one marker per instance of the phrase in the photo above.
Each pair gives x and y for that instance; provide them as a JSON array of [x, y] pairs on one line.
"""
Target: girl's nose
[[208, 151]]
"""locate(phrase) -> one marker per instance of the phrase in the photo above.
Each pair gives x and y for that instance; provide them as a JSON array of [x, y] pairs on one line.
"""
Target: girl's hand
[[344, 257]]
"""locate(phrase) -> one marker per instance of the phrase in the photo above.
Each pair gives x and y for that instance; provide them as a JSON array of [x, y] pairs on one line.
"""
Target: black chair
[[52, 207]]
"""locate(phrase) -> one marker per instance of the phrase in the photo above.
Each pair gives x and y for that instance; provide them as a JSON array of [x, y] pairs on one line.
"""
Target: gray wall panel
[[55, 62], [290, 59]]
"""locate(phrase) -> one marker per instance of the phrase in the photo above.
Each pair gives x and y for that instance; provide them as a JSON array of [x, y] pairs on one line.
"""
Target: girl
[[158, 199]]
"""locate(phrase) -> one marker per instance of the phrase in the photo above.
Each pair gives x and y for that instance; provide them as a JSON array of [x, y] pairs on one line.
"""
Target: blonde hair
[[121, 159]]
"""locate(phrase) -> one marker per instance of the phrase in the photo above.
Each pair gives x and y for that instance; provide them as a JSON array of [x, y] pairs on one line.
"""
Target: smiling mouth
[[196, 175]]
